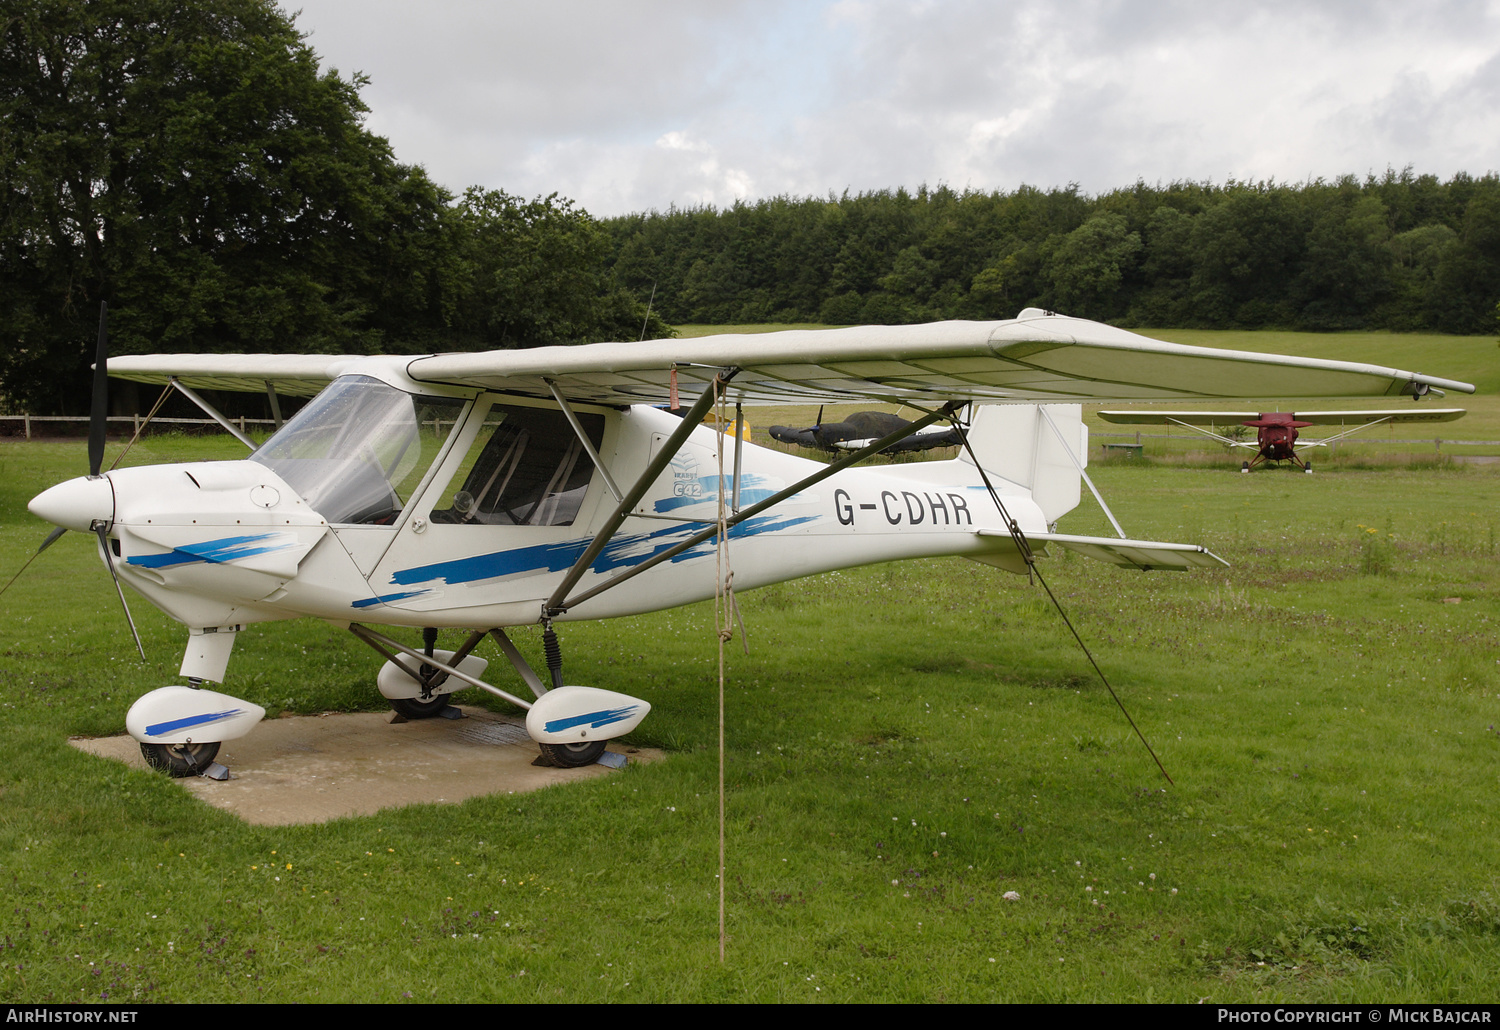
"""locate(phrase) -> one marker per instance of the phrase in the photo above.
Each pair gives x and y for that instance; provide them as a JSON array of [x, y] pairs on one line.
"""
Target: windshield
[[357, 451]]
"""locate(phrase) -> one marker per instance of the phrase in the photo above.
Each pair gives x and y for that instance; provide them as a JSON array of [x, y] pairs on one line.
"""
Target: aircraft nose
[[77, 503]]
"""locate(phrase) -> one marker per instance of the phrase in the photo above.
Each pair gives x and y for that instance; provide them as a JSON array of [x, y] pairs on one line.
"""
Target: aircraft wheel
[[415, 709], [180, 760], [573, 756], [1307, 468], [1244, 466]]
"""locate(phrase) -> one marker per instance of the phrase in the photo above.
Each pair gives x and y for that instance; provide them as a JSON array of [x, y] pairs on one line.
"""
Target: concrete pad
[[309, 769]]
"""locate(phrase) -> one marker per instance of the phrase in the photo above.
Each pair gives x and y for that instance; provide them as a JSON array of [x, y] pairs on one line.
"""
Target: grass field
[[907, 745]]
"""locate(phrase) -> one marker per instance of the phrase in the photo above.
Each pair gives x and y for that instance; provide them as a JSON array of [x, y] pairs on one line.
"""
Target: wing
[[298, 375], [1316, 418], [1036, 357], [1360, 418], [1190, 418]]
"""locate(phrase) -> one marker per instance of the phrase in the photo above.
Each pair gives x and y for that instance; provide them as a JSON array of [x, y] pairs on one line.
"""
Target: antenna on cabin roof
[[647, 320]]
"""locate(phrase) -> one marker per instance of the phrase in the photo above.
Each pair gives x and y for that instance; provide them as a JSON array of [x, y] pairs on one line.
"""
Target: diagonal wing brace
[[556, 604], [1199, 429], [1334, 439]]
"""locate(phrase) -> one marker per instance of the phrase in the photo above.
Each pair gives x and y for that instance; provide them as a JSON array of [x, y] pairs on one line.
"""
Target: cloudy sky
[[628, 106]]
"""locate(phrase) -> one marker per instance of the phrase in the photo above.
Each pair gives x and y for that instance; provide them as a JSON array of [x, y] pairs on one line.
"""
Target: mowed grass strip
[[908, 744]]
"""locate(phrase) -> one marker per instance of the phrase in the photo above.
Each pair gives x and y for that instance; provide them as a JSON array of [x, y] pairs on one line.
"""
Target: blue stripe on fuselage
[[215, 552], [622, 552], [387, 598]]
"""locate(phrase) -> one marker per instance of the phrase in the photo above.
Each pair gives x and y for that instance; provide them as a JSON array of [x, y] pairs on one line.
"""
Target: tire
[[573, 756], [415, 709], [180, 760]]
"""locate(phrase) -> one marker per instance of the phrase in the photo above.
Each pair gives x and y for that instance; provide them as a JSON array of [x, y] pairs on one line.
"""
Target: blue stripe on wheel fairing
[[595, 719], [191, 720]]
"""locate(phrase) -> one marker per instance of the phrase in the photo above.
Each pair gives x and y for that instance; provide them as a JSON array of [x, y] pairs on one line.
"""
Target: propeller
[[98, 422], [817, 428], [99, 408], [98, 415], [51, 539]]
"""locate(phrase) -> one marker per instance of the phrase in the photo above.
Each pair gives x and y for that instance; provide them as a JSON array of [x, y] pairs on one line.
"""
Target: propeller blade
[[51, 539], [99, 409], [110, 561], [820, 417]]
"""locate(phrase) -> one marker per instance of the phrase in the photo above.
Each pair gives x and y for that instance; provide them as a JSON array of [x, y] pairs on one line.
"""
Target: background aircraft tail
[[1034, 446]]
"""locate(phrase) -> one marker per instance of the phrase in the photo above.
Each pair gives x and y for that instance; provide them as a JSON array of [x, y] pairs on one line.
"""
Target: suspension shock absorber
[[429, 672], [553, 650]]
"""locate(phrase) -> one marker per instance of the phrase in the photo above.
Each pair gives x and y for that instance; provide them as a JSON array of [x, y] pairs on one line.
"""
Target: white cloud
[[641, 105]]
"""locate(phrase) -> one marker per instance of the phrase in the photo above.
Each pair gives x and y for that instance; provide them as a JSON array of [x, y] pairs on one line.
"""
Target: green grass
[[906, 744]]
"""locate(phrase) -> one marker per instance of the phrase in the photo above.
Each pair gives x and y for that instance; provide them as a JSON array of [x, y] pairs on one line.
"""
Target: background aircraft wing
[[1037, 357], [1351, 418], [1317, 418], [1191, 418]]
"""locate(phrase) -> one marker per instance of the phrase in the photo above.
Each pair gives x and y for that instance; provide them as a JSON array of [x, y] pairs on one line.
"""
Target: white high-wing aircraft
[[484, 491], [1276, 431]]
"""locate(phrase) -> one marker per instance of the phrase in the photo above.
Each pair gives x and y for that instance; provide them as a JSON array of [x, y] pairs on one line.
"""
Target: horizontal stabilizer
[[1146, 555]]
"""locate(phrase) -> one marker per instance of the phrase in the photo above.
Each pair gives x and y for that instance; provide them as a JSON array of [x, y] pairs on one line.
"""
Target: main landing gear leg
[[570, 724], [574, 754]]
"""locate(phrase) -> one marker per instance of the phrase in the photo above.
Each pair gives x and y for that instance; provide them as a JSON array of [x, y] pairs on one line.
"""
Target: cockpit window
[[526, 468], [357, 451]]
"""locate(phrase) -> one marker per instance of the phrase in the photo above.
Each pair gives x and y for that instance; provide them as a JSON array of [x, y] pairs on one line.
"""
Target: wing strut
[[583, 438], [1348, 432], [945, 412], [1213, 436], [165, 393], [555, 605], [739, 446], [213, 413]]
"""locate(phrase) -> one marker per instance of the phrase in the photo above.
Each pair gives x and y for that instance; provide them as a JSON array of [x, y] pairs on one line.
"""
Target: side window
[[526, 468]]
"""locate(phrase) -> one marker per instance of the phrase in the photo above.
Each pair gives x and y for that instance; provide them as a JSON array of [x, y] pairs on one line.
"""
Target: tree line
[[1399, 251], [192, 165]]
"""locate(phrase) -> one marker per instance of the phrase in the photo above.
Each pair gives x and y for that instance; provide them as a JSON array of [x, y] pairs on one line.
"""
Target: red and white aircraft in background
[[1276, 437]]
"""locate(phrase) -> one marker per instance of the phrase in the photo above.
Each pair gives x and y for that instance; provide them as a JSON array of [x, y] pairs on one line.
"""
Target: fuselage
[[383, 503], [1276, 434]]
